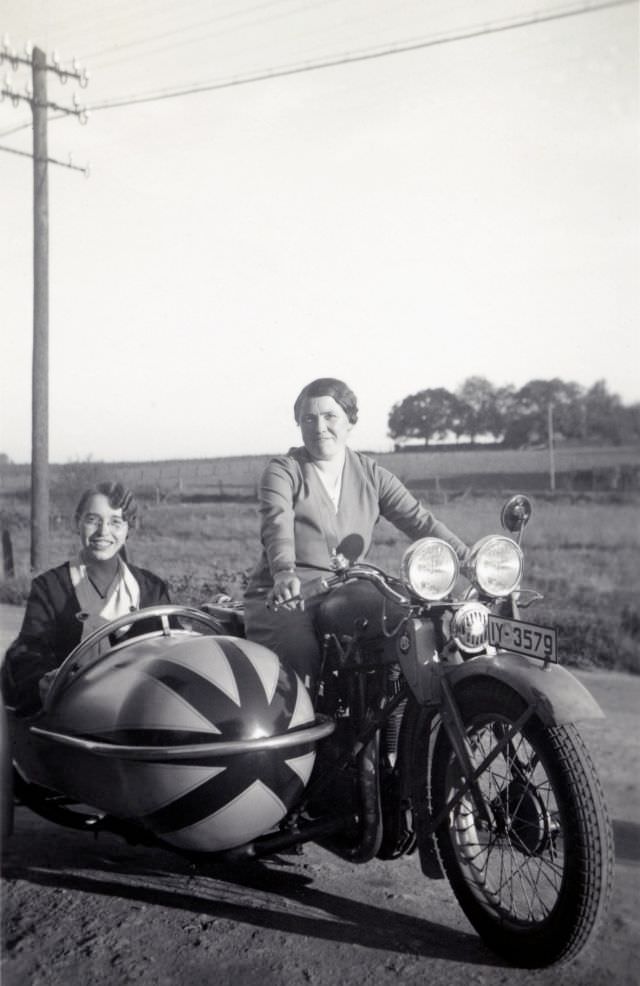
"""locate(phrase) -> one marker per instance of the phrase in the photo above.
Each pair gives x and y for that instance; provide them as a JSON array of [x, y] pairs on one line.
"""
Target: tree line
[[515, 417]]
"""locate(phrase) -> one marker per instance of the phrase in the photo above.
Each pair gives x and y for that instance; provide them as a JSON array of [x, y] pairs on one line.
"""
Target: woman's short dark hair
[[117, 496], [329, 387]]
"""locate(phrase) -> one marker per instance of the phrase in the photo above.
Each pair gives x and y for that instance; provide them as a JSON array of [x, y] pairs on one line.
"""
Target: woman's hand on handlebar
[[286, 592]]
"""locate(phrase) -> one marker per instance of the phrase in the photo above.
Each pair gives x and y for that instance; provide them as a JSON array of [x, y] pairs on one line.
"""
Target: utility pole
[[40, 359], [552, 460], [37, 98]]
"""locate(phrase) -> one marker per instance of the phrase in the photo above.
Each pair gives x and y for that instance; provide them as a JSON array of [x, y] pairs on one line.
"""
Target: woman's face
[[325, 427], [102, 528]]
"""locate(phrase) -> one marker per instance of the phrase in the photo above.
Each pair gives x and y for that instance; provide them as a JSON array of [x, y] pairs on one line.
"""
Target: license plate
[[523, 638]]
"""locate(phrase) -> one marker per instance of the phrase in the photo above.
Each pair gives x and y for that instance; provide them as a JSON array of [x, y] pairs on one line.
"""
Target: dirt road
[[79, 911]]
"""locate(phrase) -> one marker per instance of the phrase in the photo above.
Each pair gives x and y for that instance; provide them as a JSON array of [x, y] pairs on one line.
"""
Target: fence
[[235, 477]]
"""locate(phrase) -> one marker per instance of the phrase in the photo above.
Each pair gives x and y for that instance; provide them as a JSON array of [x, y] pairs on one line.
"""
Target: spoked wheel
[[534, 875]]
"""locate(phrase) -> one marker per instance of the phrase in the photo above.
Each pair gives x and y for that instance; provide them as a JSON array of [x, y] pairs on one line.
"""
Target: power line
[[197, 26], [347, 59]]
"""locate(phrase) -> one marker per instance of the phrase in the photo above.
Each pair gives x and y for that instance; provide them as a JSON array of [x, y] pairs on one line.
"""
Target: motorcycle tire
[[535, 877]]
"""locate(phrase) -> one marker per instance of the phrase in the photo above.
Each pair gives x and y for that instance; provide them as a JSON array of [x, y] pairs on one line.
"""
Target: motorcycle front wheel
[[534, 875]]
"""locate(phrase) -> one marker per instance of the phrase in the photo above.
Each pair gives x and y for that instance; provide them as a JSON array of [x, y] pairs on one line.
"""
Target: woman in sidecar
[[69, 602], [168, 729]]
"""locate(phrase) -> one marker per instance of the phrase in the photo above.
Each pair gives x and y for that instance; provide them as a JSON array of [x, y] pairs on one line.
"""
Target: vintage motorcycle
[[442, 726]]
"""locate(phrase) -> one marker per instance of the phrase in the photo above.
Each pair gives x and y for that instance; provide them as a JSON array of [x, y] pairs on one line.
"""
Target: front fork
[[454, 727]]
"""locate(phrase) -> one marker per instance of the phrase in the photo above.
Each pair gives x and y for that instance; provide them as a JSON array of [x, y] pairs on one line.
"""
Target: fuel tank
[[359, 608]]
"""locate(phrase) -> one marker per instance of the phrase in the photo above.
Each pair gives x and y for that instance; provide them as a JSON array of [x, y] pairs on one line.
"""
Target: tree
[[518, 417], [506, 402], [428, 414], [529, 411], [632, 423], [605, 418], [481, 414]]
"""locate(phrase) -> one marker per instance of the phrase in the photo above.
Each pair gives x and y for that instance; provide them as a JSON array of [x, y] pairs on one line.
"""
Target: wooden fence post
[[7, 555]]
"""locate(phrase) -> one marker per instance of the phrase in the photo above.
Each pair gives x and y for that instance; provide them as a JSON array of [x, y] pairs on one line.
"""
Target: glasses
[[114, 523]]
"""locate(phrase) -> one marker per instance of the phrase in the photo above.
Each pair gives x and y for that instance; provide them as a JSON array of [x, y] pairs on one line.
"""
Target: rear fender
[[556, 696]]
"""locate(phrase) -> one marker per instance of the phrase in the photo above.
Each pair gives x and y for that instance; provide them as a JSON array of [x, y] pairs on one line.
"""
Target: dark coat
[[51, 629]]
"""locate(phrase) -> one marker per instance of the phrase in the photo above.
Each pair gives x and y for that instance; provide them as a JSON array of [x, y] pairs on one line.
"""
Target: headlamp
[[430, 566], [495, 565]]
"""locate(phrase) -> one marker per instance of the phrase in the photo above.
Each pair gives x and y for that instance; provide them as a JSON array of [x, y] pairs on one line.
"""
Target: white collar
[[123, 596]]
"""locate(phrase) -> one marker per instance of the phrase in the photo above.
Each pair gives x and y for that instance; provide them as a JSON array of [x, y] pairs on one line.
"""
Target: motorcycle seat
[[231, 618]]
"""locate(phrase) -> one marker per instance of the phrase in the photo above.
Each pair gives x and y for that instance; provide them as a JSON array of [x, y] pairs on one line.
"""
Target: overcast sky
[[406, 221]]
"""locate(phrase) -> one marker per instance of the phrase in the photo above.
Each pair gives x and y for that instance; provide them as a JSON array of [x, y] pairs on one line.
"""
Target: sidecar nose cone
[[190, 691]]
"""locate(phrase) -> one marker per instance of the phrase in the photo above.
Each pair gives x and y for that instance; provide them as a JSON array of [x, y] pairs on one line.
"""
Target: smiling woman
[[319, 500], [69, 602]]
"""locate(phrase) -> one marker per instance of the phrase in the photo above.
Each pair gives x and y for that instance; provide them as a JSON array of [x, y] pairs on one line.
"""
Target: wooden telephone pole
[[40, 105], [552, 457], [40, 360]]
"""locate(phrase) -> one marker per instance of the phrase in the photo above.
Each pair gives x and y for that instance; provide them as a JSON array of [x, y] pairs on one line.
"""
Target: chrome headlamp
[[430, 566], [495, 565]]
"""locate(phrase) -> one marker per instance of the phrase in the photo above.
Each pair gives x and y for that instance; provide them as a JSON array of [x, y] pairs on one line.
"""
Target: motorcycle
[[443, 725]]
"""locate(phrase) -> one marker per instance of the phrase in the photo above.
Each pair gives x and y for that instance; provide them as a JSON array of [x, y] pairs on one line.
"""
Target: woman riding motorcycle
[[311, 500]]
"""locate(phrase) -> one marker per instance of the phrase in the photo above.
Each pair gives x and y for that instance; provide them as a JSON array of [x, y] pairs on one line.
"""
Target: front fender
[[555, 694]]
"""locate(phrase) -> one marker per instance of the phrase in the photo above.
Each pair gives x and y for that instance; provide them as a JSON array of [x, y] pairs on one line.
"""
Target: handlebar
[[366, 573]]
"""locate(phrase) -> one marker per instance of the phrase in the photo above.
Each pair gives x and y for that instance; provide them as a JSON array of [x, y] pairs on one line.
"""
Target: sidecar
[[181, 733]]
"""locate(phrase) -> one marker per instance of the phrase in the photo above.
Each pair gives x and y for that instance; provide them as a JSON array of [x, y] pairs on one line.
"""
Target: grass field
[[584, 557]]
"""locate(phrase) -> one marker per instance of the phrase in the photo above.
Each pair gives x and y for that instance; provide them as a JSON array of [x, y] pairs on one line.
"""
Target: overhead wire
[[397, 48], [143, 42], [235, 14], [105, 16], [351, 58]]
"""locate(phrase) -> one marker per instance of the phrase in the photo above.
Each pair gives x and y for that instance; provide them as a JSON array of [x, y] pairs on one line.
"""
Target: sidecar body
[[204, 741]]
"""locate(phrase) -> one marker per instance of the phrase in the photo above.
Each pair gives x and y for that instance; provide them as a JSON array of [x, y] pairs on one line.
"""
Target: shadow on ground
[[627, 840], [275, 895]]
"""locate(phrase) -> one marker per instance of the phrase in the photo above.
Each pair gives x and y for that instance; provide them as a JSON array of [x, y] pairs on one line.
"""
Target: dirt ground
[[81, 911]]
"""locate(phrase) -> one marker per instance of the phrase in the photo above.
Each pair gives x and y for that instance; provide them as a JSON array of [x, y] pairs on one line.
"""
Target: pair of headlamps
[[430, 567]]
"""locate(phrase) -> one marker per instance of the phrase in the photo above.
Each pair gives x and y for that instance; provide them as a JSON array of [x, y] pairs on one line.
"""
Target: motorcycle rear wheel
[[535, 879]]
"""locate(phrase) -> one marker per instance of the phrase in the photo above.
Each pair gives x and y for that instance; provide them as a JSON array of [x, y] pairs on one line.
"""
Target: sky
[[404, 221]]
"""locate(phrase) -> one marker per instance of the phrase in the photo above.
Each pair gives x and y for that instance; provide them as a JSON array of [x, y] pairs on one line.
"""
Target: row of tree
[[515, 418]]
